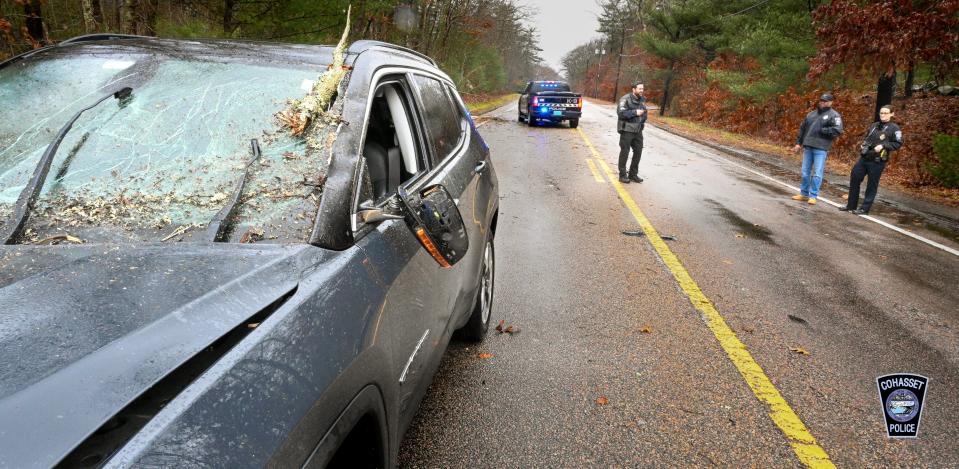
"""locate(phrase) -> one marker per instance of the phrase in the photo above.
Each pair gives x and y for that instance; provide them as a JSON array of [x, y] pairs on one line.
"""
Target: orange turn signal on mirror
[[431, 248]]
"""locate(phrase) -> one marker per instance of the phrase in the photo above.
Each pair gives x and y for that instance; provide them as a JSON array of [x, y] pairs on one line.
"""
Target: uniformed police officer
[[820, 127], [882, 138], [632, 119]]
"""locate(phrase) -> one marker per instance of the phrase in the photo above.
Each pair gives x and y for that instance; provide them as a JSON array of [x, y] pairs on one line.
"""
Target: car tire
[[573, 123], [519, 116], [530, 120], [475, 328]]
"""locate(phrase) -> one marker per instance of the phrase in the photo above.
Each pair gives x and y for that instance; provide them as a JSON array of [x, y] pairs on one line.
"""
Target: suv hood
[[84, 330]]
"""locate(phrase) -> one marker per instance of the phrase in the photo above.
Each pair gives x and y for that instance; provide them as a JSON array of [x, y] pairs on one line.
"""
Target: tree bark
[[667, 96], [910, 78], [884, 91], [97, 12], [34, 20], [148, 20], [89, 23], [128, 23], [619, 63], [228, 21]]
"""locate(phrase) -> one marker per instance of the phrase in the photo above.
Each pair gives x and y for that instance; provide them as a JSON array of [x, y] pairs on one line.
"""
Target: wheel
[[519, 116], [530, 120], [573, 123], [475, 329]]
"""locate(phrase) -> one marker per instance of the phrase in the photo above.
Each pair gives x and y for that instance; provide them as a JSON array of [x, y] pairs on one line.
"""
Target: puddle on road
[[751, 230], [766, 186]]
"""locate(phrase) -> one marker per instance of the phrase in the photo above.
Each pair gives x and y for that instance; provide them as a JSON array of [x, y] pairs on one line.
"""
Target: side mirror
[[437, 223]]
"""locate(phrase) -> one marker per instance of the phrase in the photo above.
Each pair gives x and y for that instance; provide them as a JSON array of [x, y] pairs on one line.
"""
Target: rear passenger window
[[444, 122]]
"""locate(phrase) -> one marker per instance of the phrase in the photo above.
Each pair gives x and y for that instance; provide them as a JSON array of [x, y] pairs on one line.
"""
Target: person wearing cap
[[821, 126], [882, 138], [632, 119]]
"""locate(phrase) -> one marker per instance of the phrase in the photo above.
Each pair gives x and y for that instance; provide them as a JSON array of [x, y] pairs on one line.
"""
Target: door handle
[[480, 167]]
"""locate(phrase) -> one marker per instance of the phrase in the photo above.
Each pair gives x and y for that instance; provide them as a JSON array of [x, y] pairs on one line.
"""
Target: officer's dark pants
[[629, 140], [862, 169]]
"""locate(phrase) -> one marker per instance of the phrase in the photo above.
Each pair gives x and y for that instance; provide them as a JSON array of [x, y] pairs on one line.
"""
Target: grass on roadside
[[480, 103]]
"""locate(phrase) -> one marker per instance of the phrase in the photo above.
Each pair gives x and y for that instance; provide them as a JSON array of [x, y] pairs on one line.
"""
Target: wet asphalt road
[[603, 319]]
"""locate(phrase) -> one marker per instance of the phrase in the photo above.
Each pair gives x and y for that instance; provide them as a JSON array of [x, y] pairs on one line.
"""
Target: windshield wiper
[[219, 227], [14, 225]]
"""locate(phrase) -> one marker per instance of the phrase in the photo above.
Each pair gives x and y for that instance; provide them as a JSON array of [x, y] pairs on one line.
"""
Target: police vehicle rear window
[[556, 86]]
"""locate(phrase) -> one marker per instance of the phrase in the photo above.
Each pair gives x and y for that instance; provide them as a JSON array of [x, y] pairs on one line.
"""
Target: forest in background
[[484, 45], [757, 66], [753, 67]]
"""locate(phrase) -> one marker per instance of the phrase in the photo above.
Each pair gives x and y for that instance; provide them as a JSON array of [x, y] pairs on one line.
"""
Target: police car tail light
[[580, 103], [535, 101]]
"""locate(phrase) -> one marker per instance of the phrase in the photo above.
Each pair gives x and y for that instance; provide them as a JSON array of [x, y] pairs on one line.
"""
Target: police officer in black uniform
[[632, 119], [882, 138]]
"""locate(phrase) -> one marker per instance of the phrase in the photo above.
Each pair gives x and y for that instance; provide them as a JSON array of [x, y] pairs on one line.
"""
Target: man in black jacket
[[882, 138], [632, 119], [821, 126]]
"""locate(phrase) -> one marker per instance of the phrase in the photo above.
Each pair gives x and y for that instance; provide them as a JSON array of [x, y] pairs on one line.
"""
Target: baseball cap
[[825, 97]]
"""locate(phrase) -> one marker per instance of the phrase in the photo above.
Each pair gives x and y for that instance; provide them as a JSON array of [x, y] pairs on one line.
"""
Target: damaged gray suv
[[232, 254]]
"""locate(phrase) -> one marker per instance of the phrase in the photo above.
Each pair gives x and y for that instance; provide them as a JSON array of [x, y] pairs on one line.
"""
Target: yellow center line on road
[[592, 169], [800, 439]]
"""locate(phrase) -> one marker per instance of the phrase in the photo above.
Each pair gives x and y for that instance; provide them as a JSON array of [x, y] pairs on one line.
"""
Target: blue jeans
[[813, 164]]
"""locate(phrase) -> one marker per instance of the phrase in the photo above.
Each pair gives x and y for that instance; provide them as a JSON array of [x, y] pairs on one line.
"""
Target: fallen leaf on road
[[634, 233], [798, 350], [485, 355], [601, 400], [510, 329], [727, 262], [740, 235], [647, 330], [253, 325], [797, 319]]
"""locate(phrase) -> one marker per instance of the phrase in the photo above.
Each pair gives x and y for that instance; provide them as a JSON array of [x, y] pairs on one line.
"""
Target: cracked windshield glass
[[161, 163]]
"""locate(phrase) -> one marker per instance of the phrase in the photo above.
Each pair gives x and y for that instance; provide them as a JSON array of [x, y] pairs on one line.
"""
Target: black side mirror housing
[[436, 221]]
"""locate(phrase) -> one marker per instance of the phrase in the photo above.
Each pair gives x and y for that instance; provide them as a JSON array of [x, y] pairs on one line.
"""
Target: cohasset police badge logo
[[902, 397]]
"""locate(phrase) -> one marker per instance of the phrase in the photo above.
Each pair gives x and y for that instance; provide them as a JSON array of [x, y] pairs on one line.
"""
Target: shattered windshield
[[160, 164]]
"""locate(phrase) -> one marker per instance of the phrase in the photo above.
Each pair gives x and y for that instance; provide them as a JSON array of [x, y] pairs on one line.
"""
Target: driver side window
[[390, 149]]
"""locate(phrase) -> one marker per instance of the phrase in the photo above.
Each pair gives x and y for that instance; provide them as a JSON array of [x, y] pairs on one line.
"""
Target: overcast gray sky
[[563, 25]]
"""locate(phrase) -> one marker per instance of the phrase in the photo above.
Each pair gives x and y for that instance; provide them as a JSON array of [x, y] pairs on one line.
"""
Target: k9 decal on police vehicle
[[901, 396]]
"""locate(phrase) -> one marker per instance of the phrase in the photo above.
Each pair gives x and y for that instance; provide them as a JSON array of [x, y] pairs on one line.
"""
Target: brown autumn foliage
[[916, 30], [921, 117]]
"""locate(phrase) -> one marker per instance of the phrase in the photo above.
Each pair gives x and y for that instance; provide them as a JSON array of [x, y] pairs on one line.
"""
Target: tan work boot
[[800, 197], [812, 201]]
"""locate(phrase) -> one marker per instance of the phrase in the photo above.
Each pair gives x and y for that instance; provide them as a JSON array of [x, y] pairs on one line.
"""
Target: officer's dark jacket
[[819, 129], [628, 120], [886, 134]]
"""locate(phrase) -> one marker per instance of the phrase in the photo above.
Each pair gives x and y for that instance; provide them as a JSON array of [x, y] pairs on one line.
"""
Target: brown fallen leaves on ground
[[602, 400], [485, 355], [798, 350], [647, 329], [502, 328]]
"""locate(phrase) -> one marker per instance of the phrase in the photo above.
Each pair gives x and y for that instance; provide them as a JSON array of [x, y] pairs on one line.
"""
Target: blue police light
[[544, 109]]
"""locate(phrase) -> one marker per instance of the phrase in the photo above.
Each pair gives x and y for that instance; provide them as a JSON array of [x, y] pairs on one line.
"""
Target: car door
[[524, 98], [458, 164], [420, 294]]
